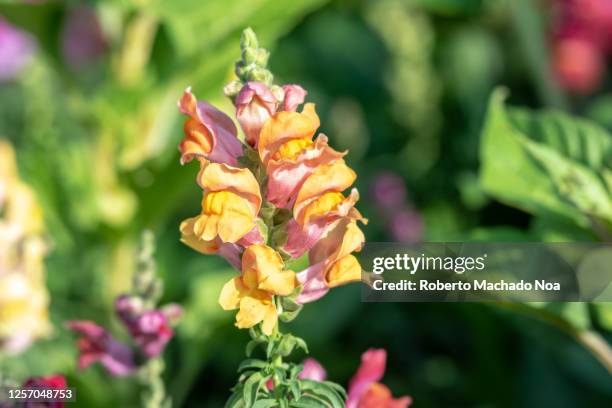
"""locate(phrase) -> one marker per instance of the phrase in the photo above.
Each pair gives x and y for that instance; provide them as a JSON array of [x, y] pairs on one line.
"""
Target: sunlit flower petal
[[209, 133]]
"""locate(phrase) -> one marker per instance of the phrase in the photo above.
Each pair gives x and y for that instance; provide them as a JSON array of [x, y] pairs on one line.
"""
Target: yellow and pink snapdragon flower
[[276, 187], [273, 194]]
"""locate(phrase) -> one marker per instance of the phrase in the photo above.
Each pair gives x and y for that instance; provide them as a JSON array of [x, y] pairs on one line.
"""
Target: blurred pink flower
[[98, 345], [578, 64], [150, 329], [16, 50], [407, 226], [388, 190], [365, 391], [52, 381], [312, 371], [294, 97], [82, 39], [254, 105]]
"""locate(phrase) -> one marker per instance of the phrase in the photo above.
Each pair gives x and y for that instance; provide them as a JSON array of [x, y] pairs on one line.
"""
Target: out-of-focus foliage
[[404, 84]]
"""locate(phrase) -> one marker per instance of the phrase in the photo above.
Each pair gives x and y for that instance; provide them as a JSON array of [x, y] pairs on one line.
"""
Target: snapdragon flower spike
[[230, 205], [98, 345], [255, 104], [290, 155], [263, 276], [209, 133], [331, 261], [365, 391]]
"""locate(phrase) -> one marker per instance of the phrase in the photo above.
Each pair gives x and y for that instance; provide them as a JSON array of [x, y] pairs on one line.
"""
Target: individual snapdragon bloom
[[255, 104], [290, 155], [150, 329], [365, 391], [230, 206], [98, 345], [331, 261], [209, 133], [319, 204], [263, 276], [16, 50]]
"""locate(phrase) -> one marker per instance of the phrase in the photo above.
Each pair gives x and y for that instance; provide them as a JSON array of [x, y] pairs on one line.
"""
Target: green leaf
[[323, 391], [235, 400], [265, 403], [250, 347], [547, 163], [251, 388], [251, 363], [308, 401]]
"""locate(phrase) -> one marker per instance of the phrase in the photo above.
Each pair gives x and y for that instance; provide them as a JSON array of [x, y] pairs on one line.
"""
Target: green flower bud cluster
[[252, 66]]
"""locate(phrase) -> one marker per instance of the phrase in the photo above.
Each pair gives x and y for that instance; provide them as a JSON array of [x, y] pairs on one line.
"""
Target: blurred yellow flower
[[23, 296], [252, 292]]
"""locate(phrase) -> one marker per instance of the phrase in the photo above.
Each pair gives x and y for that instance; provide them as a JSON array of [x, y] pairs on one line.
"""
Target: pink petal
[[226, 148], [294, 97], [313, 284], [313, 371], [371, 370], [254, 105]]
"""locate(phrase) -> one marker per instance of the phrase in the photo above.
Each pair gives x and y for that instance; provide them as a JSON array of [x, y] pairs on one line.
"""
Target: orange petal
[[335, 177], [283, 126], [219, 177]]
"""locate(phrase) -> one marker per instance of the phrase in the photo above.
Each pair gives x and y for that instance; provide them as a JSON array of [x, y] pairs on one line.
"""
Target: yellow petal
[[230, 295], [252, 311], [284, 126], [225, 214], [221, 177], [189, 238], [266, 265], [270, 320], [344, 270]]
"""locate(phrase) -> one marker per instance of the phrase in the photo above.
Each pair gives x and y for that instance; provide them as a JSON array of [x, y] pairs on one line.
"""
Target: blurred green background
[[403, 84]]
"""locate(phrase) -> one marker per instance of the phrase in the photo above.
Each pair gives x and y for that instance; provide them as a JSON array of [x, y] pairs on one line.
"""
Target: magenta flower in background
[[16, 50], [82, 39], [98, 345], [312, 371], [388, 190], [150, 329], [52, 381], [407, 226]]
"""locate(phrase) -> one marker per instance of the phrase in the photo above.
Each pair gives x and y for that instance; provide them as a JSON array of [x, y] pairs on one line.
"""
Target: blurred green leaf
[[547, 163]]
